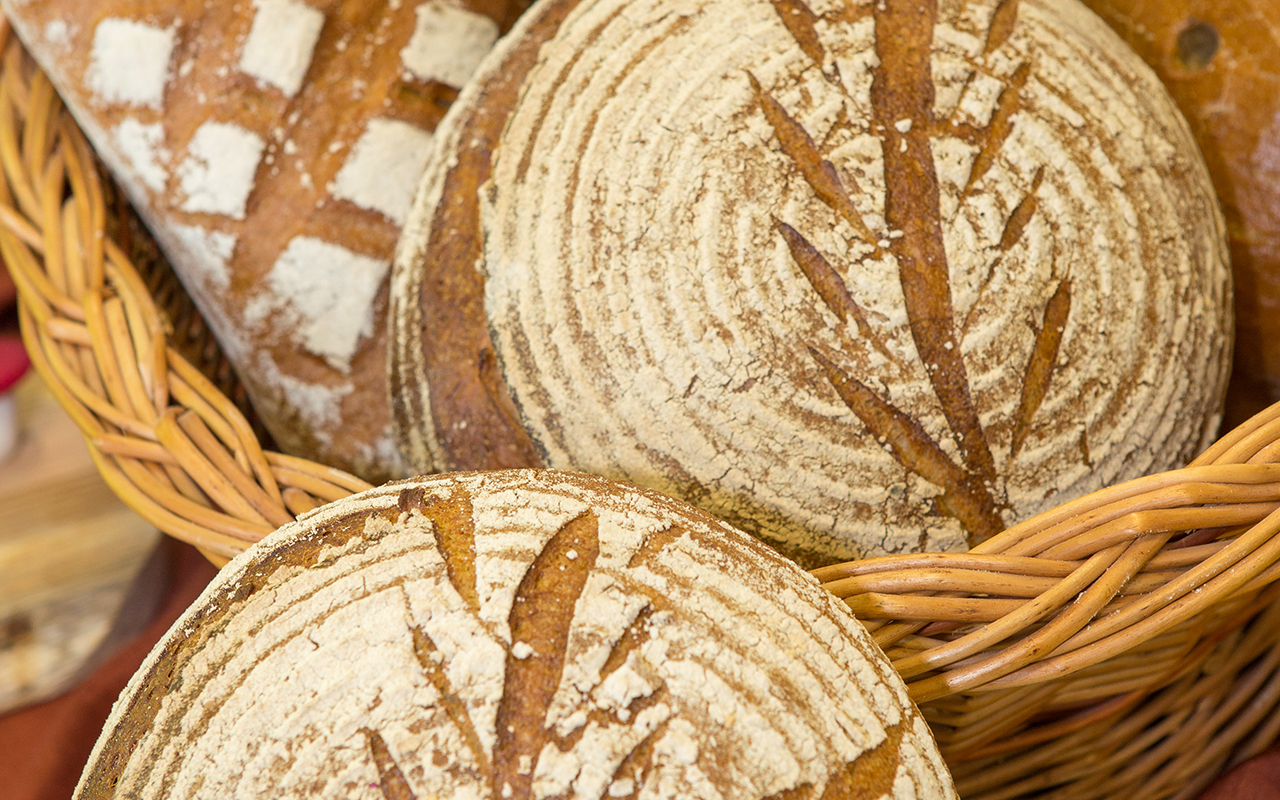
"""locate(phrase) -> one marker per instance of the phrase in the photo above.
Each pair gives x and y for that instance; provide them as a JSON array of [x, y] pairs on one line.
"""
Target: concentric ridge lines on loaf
[[287, 628], [635, 649], [858, 278], [548, 30], [466, 419]]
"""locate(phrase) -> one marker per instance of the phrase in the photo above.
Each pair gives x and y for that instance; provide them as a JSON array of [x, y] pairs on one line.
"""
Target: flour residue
[[129, 62], [281, 43], [448, 42], [382, 171], [217, 175]]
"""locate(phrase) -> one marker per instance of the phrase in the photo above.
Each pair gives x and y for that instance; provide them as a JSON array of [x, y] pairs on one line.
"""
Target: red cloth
[[1257, 779], [43, 748]]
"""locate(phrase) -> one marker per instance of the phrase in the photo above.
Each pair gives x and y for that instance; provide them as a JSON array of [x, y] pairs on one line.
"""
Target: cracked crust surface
[[514, 635], [859, 277]]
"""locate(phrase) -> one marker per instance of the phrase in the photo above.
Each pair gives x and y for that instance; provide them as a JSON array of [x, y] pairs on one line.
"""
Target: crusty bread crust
[[1217, 58], [512, 635], [272, 147], [859, 277]]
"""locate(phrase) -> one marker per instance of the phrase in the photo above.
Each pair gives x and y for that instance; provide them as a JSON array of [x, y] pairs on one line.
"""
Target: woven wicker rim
[[166, 439], [1127, 641]]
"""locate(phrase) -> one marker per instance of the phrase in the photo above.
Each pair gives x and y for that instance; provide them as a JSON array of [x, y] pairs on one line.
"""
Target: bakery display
[[861, 278], [1151, 700], [272, 147], [514, 634], [1217, 59]]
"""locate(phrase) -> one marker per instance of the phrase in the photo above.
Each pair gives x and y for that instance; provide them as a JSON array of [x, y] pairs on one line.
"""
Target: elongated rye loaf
[[860, 277], [273, 148], [514, 635]]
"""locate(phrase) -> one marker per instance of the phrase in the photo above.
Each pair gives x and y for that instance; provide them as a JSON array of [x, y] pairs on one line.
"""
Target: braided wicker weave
[[110, 344], [1124, 644]]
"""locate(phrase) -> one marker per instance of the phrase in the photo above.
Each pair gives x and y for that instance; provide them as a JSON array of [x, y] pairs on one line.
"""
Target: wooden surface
[[77, 576], [44, 747]]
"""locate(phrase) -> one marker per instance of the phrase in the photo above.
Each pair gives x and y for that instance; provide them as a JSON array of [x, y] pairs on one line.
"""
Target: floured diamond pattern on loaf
[[317, 405], [129, 62], [281, 43], [445, 28], [208, 251], [316, 282], [381, 172], [217, 118], [218, 172], [143, 146]]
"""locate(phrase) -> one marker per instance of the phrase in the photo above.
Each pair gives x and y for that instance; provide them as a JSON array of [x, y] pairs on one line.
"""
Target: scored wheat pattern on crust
[[902, 88], [598, 661], [543, 609], [853, 302], [541, 619]]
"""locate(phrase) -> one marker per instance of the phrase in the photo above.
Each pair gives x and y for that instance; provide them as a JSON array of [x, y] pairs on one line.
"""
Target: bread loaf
[[513, 635], [272, 147], [1217, 58], [859, 277]]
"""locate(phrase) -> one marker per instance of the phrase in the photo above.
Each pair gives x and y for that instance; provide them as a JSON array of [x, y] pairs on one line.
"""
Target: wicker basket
[[1124, 644]]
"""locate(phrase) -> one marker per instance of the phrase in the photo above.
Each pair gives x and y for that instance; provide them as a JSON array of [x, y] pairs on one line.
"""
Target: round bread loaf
[[273, 148], [1218, 60], [513, 635], [859, 277]]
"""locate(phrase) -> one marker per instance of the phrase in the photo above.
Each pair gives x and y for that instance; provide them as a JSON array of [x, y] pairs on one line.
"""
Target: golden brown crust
[[475, 424], [621, 644], [284, 251], [891, 277], [1218, 60]]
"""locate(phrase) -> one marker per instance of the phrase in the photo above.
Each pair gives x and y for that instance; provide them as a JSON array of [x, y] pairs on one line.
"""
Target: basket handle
[[165, 437]]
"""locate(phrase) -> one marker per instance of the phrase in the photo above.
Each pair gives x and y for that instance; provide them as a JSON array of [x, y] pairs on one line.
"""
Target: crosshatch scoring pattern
[[218, 120]]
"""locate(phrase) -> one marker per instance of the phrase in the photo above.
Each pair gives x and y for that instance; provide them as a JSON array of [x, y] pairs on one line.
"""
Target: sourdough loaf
[[272, 147], [512, 635], [859, 277], [1218, 59]]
